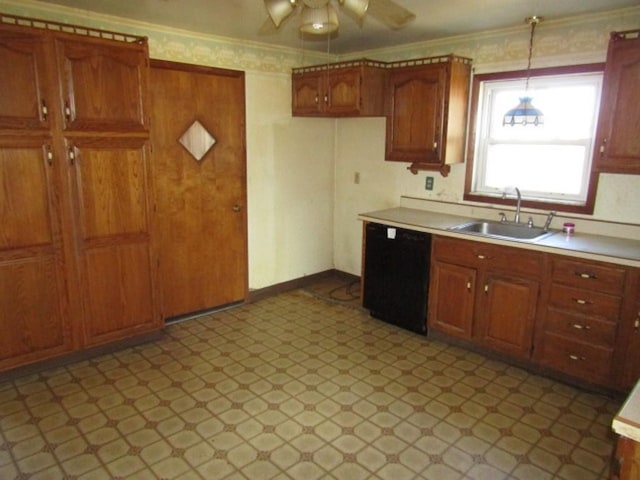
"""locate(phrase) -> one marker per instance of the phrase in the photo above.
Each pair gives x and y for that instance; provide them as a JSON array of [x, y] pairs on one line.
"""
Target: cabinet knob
[[469, 289], [44, 110], [582, 301], [236, 208], [576, 357], [317, 99], [481, 256], [587, 275], [579, 326]]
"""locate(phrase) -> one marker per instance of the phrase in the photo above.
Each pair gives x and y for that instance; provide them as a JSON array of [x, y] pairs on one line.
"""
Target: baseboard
[[301, 282]]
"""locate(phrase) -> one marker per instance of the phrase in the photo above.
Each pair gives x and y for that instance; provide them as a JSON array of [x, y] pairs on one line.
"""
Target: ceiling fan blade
[[390, 13], [355, 8]]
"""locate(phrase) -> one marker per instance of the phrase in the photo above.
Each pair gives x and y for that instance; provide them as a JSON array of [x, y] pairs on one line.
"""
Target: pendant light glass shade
[[524, 114], [279, 9], [357, 7], [319, 21]]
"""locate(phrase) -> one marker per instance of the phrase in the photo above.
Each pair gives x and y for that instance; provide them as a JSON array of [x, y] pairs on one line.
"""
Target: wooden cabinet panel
[[103, 85], [111, 183], [23, 103], [579, 359], [590, 276], [451, 299], [628, 345], [308, 97], [506, 313], [585, 302], [33, 293], [414, 123], [118, 292], [617, 135], [586, 329], [32, 320]]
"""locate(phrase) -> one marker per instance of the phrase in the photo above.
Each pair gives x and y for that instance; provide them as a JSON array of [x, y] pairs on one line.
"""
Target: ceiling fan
[[319, 17]]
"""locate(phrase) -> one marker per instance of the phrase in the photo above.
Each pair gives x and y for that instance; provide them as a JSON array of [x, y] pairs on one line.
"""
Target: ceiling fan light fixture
[[279, 9], [318, 21], [357, 7]]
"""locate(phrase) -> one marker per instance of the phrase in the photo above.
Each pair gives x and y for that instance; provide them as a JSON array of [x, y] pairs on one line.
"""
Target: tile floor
[[298, 387]]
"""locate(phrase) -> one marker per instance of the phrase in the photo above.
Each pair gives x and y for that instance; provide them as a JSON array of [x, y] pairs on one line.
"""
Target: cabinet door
[[617, 137], [344, 91], [415, 114], [451, 299], [33, 316], [308, 96], [23, 103], [111, 192], [103, 85], [506, 313]]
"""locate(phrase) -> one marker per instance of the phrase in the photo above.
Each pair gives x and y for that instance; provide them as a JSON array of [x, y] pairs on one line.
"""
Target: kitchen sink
[[507, 230]]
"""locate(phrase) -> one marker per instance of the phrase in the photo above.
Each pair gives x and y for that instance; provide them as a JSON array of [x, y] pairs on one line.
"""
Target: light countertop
[[627, 421], [622, 251]]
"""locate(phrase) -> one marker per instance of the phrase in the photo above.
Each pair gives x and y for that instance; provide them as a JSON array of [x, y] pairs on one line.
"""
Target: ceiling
[[248, 19]]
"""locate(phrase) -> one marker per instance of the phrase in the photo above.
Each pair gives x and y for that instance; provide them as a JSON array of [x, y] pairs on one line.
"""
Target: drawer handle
[[578, 326], [581, 301], [588, 275], [481, 256], [576, 357]]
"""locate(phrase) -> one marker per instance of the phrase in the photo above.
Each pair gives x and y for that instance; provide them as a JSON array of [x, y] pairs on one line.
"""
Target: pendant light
[[525, 113], [318, 21]]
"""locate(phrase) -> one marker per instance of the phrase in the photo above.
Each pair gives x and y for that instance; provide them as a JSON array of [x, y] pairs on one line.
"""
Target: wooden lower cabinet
[[579, 332], [626, 460], [579, 318], [506, 313], [451, 299], [485, 293]]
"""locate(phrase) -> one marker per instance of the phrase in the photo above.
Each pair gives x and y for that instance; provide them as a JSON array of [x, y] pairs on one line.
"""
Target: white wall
[[290, 185]]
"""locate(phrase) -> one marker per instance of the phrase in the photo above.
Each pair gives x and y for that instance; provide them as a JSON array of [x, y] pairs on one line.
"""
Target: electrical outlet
[[428, 184]]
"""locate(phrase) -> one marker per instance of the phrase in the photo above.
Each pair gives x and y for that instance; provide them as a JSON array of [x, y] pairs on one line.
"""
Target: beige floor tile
[[299, 387]]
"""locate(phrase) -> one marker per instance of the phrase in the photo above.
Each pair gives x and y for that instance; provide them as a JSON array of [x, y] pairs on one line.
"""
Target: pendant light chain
[[533, 21]]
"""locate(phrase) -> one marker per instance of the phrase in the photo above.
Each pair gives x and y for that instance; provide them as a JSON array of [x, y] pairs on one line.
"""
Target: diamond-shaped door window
[[197, 140]]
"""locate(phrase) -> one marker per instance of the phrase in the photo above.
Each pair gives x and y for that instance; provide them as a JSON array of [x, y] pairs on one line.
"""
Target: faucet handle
[[503, 217], [530, 222]]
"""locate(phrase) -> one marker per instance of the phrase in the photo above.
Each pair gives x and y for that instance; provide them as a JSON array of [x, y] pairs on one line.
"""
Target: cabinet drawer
[[581, 327], [575, 358], [471, 253], [588, 275], [585, 302]]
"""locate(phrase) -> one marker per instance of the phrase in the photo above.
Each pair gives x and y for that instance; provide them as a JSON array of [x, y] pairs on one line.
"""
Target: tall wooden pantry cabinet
[[76, 263]]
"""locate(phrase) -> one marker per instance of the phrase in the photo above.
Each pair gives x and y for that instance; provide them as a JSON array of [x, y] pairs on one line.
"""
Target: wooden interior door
[[200, 218]]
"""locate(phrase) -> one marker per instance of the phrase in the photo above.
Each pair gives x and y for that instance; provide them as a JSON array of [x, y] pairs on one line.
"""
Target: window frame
[[468, 195]]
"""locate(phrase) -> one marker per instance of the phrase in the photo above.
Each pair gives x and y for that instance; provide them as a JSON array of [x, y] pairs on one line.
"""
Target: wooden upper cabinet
[[24, 103], [618, 142], [345, 89], [308, 97], [427, 113], [103, 85]]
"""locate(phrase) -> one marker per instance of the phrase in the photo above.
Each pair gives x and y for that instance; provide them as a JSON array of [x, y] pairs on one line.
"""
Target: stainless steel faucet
[[548, 222], [517, 216]]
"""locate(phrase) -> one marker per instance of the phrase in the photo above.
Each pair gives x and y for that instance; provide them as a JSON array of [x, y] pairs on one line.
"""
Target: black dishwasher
[[396, 275]]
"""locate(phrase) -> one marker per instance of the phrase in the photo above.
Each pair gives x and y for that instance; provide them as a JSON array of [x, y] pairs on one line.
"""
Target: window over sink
[[550, 163]]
